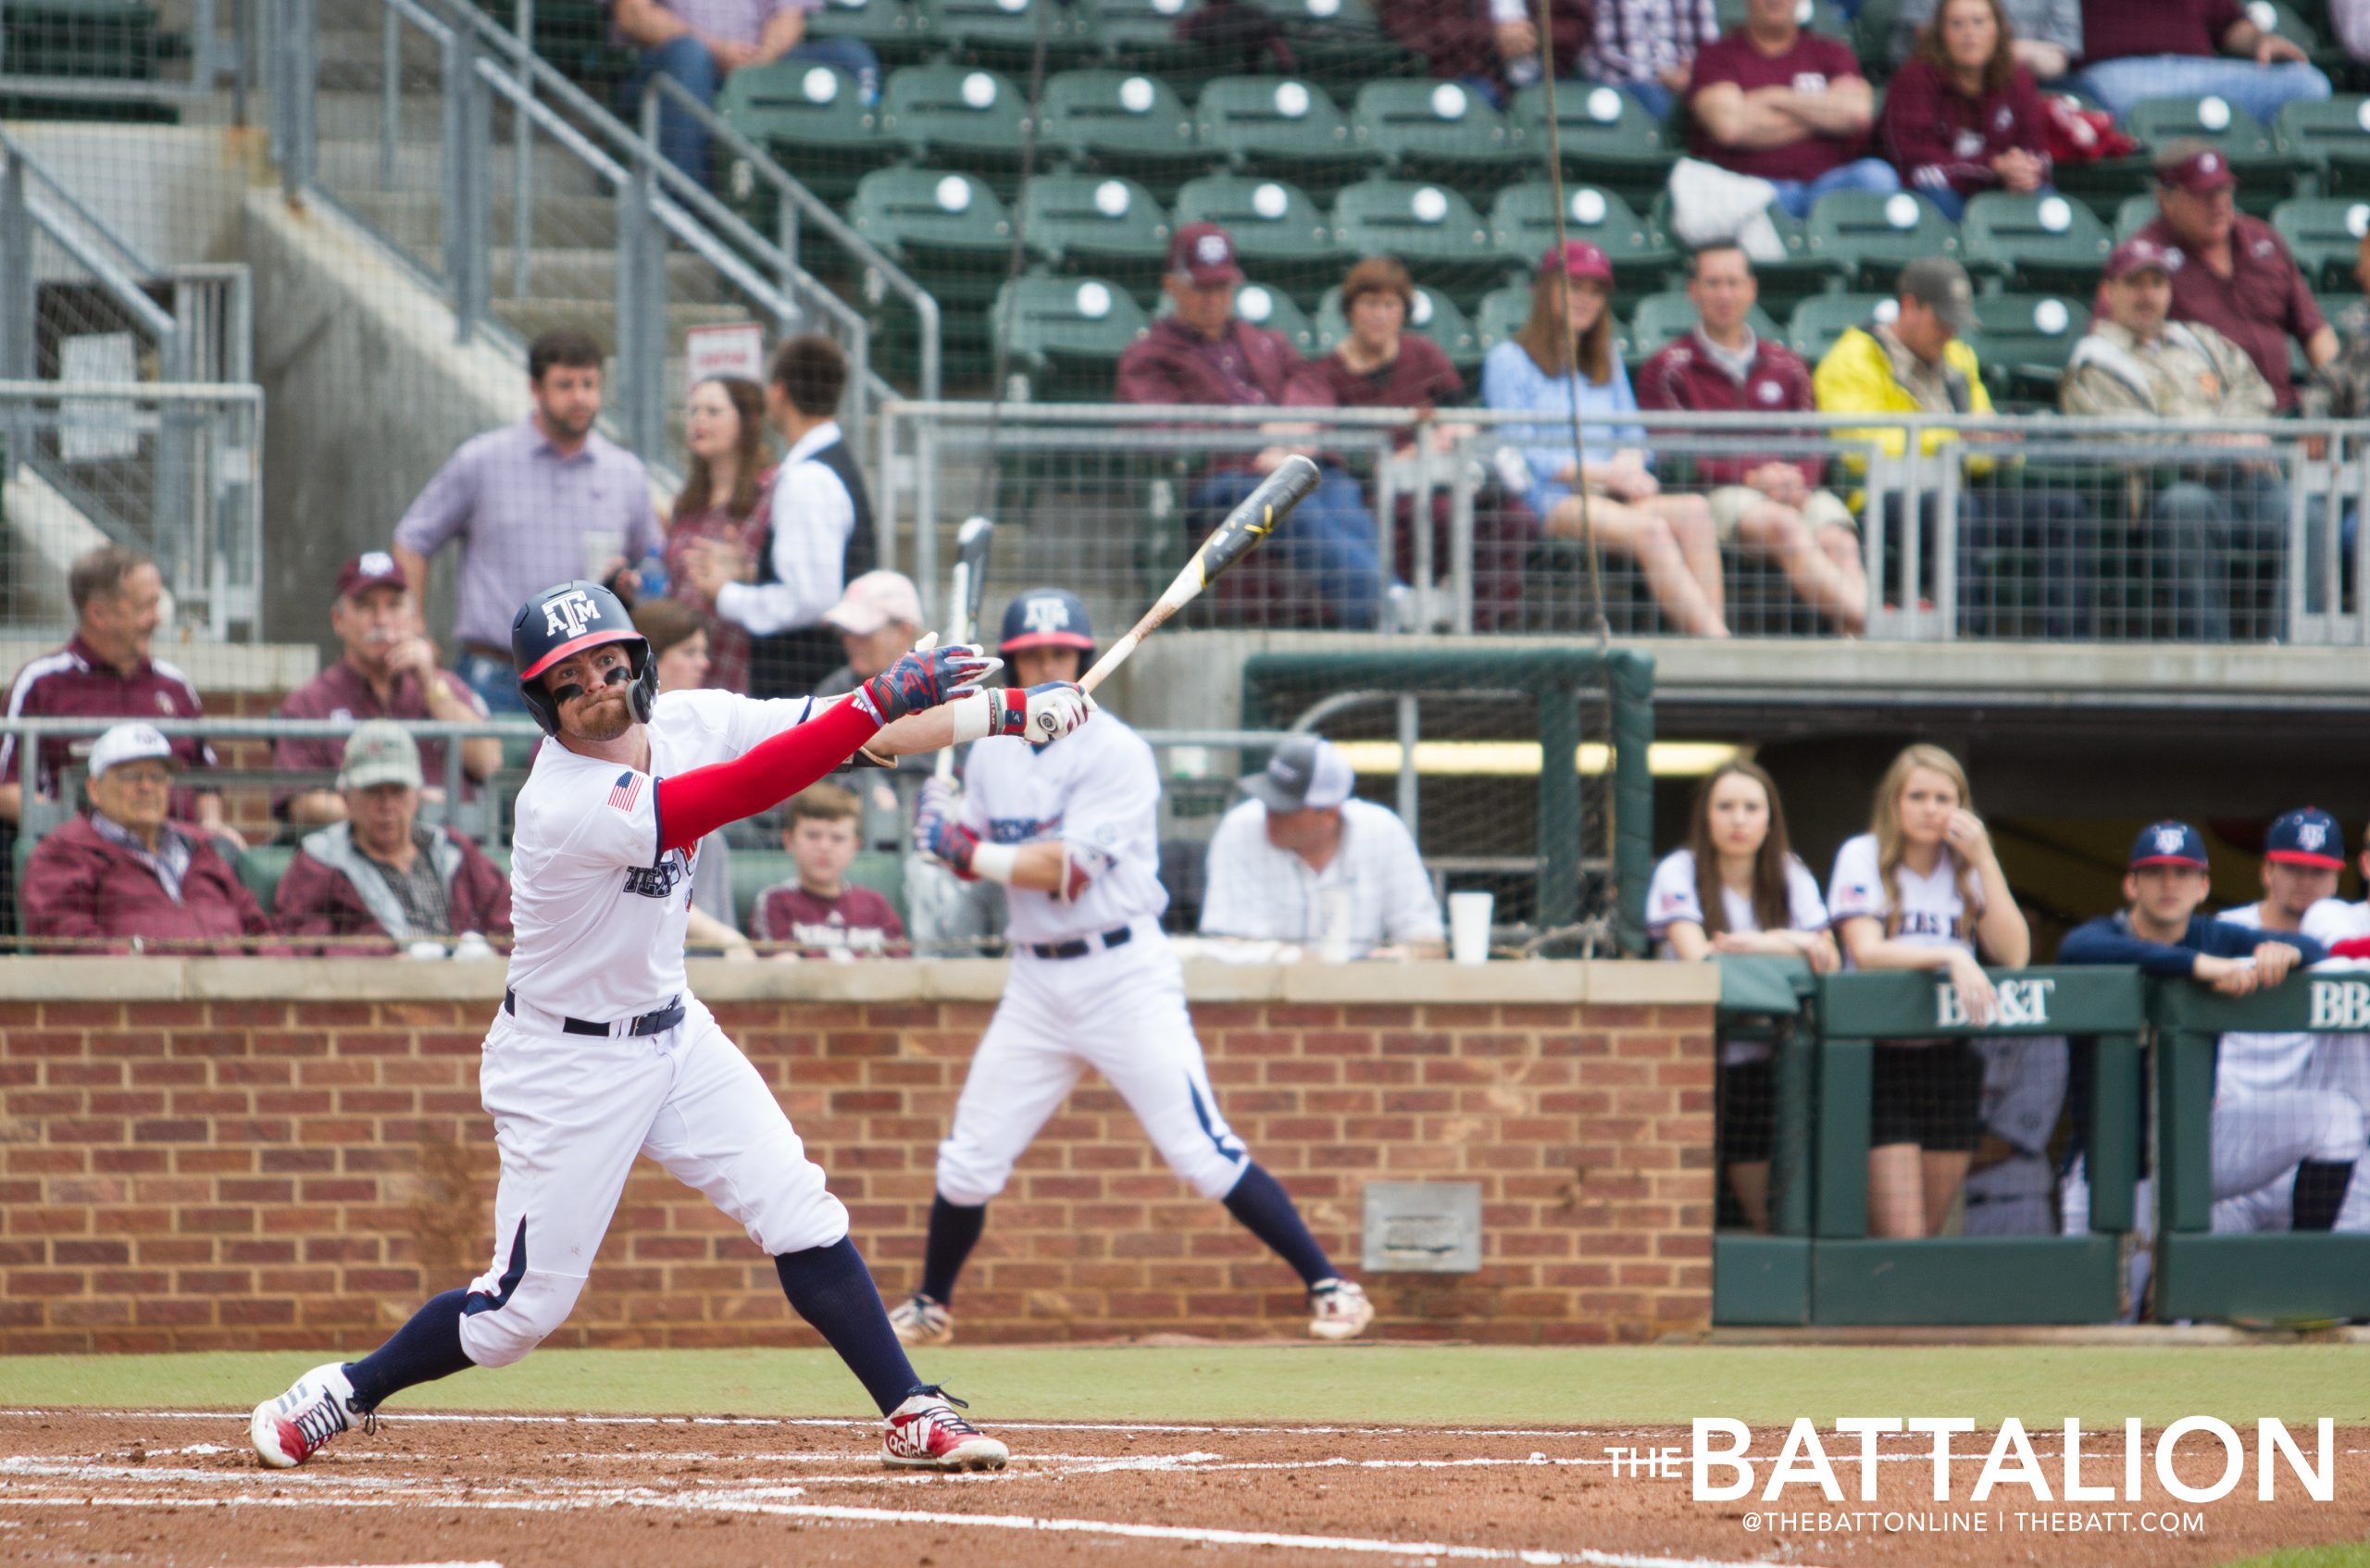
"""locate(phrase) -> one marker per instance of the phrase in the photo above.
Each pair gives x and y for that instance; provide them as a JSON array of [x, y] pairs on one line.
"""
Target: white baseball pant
[[2258, 1141], [570, 1111], [1121, 1010]]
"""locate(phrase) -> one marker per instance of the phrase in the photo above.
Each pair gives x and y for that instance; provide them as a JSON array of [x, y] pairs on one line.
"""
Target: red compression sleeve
[[691, 805]]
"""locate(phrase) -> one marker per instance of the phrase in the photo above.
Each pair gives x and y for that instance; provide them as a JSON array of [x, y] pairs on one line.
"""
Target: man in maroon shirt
[[1770, 503], [2137, 49], [2238, 278], [1786, 105], [817, 910], [387, 671], [106, 672], [1204, 353]]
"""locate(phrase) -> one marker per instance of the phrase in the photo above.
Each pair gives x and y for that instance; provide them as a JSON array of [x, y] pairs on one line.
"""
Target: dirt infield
[[589, 1493]]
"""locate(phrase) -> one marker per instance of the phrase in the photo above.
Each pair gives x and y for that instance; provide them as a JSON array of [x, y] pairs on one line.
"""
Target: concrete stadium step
[[350, 160], [599, 316], [588, 272], [415, 219]]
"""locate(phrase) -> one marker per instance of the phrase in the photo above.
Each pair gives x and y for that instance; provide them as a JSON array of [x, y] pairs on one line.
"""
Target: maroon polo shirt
[[81, 885], [1683, 376], [1809, 66], [2263, 303], [1421, 377], [75, 683], [859, 922], [342, 692], [2116, 30]]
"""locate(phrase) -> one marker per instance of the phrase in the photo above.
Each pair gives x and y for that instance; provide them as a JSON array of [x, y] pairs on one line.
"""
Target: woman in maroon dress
[[724, 502], [1962, 117]]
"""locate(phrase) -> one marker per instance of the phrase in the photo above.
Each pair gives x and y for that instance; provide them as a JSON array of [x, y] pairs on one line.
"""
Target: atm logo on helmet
[[2023, 1004], [2340, 1005], [568, 613], [1046, 615]]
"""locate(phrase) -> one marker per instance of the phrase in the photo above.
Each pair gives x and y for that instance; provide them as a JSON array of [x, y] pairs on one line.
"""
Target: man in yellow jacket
[[2027, 556]]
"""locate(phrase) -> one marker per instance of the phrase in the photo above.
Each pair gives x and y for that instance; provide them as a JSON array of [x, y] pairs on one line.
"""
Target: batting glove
[[1040, 715], [938, 833], [925, 678]]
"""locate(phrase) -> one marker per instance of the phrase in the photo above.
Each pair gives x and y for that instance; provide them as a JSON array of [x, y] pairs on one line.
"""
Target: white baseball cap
[[129, 742], [1307, 773]]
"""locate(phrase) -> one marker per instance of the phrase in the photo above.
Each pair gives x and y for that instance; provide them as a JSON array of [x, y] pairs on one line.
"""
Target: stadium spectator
[[2011, 1185], [2047, 35], [385, 670], [2352, 20], [2134, 364], [818, 912], [543, 501], [125, 877], [1780, 104], [819, 531], [1770, 503], [678, 637], [381, 877], [1490, 45], [1379, 364], [878, 618], [1563, 355], [2340, 386], [106, 671], [1964, 117], [1303, 861], [1918, 364], [699, 43], [2236, 275], [1923, 890], [1648, 48], [1739, 888], [724, 500], [1325, 552], [2138, 49]]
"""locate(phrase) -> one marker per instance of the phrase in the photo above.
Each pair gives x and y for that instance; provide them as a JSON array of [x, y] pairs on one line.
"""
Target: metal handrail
[[15, 147]]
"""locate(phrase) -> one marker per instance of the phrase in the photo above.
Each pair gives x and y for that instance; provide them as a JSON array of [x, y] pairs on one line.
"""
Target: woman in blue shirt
[[1544, 367]]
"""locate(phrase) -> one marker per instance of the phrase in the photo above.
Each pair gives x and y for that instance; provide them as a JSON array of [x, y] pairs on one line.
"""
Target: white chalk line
[[506, 1418]]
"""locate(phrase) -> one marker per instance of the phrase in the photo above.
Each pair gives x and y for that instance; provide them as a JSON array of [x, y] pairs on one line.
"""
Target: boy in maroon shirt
[[1786, 105], [817, 910]]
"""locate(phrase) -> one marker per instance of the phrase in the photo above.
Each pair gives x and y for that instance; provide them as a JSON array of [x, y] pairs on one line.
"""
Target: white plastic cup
[[1333, 933], [1468, 927]]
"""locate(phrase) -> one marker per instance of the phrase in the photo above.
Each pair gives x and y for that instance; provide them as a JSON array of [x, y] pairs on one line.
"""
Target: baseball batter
[[1070, 832], [600, 1053]]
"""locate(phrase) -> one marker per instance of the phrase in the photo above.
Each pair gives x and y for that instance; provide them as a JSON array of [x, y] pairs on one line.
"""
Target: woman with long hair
[[1923, 890], [678, 637], [1738, 888], [1562, 355], [1964, 117], [723, 502]]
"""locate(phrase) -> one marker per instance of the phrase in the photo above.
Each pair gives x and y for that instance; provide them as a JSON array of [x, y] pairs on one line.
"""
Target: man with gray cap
[[379, 875], [1303, 861], [2020, 547]]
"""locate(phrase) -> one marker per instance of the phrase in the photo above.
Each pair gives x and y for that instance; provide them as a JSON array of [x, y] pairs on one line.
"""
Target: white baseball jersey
[[1671, 897], [1931, 906], [1097, 790], [2259, 1064], [1375, 885], [598, 912], [2332, 921]]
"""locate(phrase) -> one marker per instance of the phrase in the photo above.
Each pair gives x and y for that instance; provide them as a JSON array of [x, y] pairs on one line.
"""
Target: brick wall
[[254, 1153]]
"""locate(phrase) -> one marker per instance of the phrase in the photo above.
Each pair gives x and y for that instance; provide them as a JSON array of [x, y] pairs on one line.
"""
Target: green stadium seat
[[1435, 130], [1657, 319], [1431, 228], [1817, 321], [1522, 227], [2332, 137], [755, 870], [1142, 35], [261, 866], [1340, 42], [959, 118], [813, 120], [1278, 232], [897, 30], [1877, 235], [2267, 174], [1096, 225], [2034, 241], [2023, 340], [1006, 33], [1501, 315], [2283, 20], [1281, 127], [2133, 214], [111, 40], [952, 231], [2326, 233], [1434, 314], [1066, 335], [1604, 136], [1818, 16], [1117, 122]]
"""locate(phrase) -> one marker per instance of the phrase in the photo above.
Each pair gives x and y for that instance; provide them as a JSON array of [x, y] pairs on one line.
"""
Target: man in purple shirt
[[387, 671], [699, 43], [2138, 49], [543, 501]]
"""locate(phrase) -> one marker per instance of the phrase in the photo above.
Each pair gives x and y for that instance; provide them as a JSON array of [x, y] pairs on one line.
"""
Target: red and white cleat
[[294, 1427], [1338, 1309], [924, 1433]]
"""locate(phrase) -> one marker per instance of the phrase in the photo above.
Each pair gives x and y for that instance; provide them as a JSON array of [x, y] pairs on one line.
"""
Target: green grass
[[2355, 1555], [1459, 1385]]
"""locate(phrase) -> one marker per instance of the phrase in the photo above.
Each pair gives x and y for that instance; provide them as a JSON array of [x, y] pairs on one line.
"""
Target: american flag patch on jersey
[[625, 791]]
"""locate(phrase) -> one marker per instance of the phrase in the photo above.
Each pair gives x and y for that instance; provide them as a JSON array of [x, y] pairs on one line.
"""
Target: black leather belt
[[656, 1023], [1118, 937]]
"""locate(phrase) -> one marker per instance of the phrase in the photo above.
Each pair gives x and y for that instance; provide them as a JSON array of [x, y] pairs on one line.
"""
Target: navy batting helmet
[[1048, 618], [564, 620]]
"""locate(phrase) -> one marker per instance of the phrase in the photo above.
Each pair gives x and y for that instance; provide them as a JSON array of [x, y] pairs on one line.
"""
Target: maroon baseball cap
[[2141, 255], [1578, 259], [1203, 254], [372, 569], [2196, 166]]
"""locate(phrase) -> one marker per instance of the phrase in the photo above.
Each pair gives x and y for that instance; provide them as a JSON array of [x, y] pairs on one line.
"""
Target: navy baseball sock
[[830, 1289], [1266, 1210], [953, 1230], [424, 1350], [2320, 1192]]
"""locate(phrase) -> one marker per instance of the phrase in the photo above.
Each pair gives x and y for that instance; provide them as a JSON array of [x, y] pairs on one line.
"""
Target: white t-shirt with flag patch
[[1931, 906], [2262, 1062], [1098, 790], [599, 913], [1671, 897]]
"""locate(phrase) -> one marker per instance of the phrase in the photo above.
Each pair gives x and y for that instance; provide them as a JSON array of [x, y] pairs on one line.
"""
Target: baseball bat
[[1248, 524], [968, 582]]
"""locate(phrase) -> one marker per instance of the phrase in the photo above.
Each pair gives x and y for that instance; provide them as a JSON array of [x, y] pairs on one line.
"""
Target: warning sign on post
[[735, 350]]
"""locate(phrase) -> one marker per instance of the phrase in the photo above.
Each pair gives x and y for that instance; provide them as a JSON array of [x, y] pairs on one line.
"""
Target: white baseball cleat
[[924, 1433], [922, 1322], [1338, 1309], [292, 1428]]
